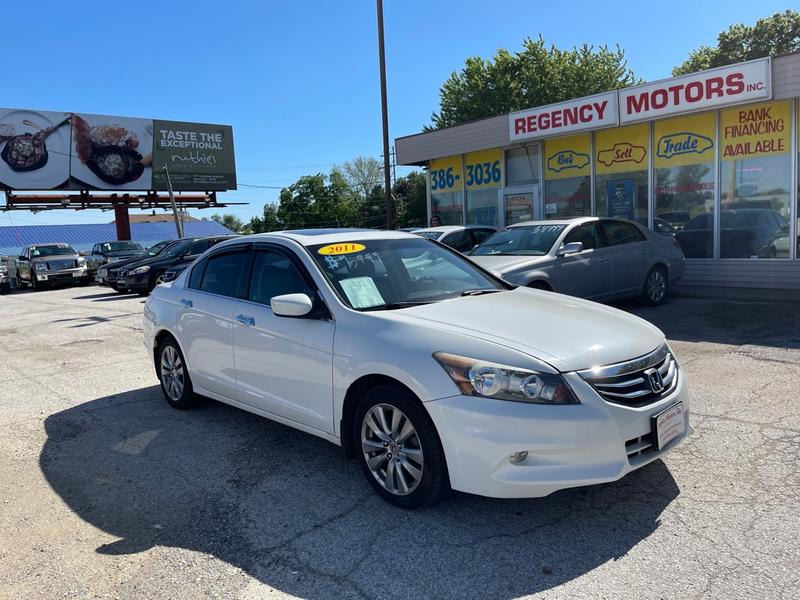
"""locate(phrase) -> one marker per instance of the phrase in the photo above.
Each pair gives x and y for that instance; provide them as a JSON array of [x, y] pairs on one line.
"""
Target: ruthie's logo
[[567, 159], [621, 152], [684, 142]]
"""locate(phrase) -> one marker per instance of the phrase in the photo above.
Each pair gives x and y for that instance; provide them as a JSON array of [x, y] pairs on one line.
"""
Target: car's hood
[[124, 254], [566, 332], [41, 259], [503, 263]]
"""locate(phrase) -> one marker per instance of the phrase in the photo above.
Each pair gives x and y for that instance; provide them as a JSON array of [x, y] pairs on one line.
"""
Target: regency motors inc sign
[[723, 86], [46, 150]]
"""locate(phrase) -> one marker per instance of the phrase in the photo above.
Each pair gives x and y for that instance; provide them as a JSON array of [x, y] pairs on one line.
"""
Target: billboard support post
[[178, 224], [122, 221]]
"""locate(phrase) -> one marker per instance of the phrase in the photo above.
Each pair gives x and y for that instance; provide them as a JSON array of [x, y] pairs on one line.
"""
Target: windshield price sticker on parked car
[[338, 249], [484, 169]]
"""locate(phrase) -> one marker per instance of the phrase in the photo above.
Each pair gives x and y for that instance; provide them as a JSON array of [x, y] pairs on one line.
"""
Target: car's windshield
[[528, 240], [122, 247], [37, 251], [157, 248], [389, 274], [431, 235], [177, 248]]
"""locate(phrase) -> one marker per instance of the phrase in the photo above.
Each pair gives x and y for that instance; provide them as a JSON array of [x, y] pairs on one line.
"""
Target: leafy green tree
[[536, 75], [771, 36], [410, 200], [230, 221], [363, 173], [269, 221]]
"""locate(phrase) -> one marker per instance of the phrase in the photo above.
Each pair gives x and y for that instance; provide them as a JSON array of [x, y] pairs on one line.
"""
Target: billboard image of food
[[111, 152], [34, 149]]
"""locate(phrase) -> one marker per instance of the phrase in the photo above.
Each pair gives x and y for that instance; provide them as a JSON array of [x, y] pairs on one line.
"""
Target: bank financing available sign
[[43, 150]]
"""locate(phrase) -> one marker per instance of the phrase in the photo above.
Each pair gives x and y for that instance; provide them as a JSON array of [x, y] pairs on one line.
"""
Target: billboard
[[43, 150]]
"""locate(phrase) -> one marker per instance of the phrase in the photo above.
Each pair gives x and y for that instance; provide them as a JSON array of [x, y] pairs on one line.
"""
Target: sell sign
[[735, 84], [591, 112]]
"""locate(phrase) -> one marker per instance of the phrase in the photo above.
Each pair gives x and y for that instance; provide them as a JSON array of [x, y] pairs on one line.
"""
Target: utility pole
[[387, 175], [178, 223]]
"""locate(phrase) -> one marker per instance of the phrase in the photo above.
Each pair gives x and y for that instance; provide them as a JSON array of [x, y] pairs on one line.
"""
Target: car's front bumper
[[567, 446], [134, 283], [64, 276]]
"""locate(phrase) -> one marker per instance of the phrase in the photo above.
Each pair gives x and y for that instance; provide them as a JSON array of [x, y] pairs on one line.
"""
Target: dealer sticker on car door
[[669, 424]]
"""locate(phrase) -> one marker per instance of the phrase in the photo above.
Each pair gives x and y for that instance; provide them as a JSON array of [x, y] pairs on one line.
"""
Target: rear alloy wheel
[[175, 382], [35, 283], [160, 279], [655, 287], [400, 452]]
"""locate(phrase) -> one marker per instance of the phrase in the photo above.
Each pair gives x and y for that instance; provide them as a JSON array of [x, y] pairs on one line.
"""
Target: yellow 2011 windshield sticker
[[343, 248]]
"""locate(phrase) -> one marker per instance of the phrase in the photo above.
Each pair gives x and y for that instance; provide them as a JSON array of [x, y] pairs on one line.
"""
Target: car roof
[[450, 228], [312, 237], [571, 221]]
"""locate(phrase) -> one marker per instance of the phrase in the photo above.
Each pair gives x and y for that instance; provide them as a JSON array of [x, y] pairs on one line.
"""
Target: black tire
[[434, 482], [186, 398], [656, 286], [17, 282], [35, 283]]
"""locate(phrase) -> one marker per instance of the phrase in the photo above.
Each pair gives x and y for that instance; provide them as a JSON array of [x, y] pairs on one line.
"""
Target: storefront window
[[447, 190], [522, 165], [684, 181], [755, 181], [621, 172], [567, 177], [483, 172]]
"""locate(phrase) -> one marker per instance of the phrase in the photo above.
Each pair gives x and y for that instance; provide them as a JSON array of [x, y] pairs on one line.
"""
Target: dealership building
[[710, 158]]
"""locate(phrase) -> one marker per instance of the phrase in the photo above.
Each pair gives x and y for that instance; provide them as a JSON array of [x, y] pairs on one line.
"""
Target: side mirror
[[291, 305], [571, 248], [20, 257]]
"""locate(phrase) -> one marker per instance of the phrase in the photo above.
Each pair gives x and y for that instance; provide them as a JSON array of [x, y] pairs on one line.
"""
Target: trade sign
[[684, 141], [591, 112], [735, 84]]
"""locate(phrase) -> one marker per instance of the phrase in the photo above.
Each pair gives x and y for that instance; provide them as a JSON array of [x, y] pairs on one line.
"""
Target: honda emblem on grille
[[655, 380]]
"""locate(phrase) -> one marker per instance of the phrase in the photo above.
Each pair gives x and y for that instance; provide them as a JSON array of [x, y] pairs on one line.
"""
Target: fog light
[[518, 457]]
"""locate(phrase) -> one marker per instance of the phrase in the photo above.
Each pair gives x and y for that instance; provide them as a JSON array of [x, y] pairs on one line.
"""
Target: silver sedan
[[591, 257]]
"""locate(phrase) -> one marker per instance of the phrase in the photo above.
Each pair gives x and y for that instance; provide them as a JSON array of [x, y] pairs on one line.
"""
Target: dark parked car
[[109, 252], [141, 276], [108, 275], [744, 233]]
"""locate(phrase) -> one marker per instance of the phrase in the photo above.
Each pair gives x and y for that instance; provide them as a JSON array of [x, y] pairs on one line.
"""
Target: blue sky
[[299, 80]]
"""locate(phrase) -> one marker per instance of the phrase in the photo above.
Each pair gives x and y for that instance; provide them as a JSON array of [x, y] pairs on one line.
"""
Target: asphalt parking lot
[[106, 492]]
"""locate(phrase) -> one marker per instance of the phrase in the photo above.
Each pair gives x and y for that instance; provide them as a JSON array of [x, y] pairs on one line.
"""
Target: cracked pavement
[[106, 492]]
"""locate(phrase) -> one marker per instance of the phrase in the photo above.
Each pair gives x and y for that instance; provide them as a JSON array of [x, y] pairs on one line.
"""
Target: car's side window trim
[[302, 270]]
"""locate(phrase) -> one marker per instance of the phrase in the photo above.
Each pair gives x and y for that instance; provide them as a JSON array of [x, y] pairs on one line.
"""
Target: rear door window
[[223, 273], [618, 233]]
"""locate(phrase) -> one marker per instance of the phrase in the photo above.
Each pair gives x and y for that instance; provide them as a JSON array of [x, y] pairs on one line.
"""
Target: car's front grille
[[638, 382], [639, 449], [119, 273], [58, 265]]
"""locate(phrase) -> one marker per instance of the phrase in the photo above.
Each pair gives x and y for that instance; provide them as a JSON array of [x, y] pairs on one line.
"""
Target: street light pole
[[387, 185]]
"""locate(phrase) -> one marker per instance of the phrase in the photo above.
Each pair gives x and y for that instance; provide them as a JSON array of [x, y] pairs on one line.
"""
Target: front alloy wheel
[[399, 448], [392, 449]]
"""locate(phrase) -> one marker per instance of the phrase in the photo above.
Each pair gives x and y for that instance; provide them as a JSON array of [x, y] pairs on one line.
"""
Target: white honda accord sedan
[[432, 372]]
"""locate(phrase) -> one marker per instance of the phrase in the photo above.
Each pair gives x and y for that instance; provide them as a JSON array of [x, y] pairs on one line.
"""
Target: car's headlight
[[3, 269], [475, 377], [102, 272], [81, 261], [41, 267], [140, 270]]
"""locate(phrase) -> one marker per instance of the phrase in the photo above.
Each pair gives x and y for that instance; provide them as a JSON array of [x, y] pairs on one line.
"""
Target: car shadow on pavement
[[292, 512], [731, 320], [107, 296]]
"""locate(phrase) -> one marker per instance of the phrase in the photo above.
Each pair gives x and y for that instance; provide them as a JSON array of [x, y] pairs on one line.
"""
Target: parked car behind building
[[590, 257]]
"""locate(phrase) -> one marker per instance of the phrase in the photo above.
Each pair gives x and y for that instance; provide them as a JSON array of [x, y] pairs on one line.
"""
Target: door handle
[[602, 259], [248, 321], [187, 303]]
